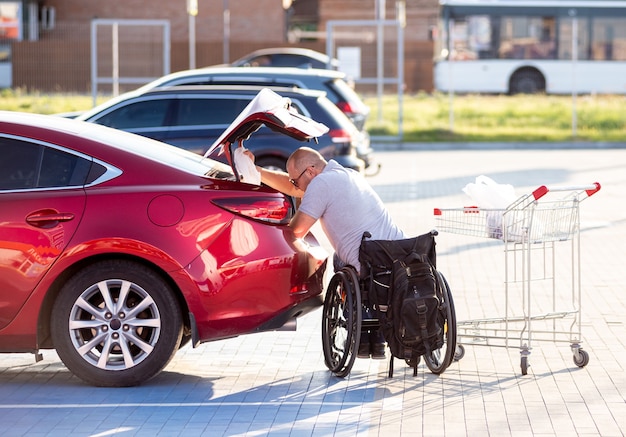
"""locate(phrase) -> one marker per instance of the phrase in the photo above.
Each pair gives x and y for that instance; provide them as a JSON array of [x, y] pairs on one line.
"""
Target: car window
[[27, 165], [299, 108], [145, 113], [209, 111], [287, 60]]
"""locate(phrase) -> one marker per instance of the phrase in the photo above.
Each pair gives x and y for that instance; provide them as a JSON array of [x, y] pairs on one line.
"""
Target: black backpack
[[403, 287]]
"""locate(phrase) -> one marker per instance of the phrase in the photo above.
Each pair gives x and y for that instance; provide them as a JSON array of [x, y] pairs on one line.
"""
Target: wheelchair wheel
[[439, 360], [341, 322]]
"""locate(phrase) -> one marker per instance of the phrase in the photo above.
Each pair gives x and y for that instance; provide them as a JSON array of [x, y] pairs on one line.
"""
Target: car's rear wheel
[[116, 323]]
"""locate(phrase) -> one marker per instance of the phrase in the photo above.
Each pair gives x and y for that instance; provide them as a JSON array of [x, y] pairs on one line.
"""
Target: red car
[[117, 250]]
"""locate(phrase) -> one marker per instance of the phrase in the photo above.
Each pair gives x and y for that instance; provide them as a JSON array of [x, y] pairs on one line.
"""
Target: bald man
[[346, 206]]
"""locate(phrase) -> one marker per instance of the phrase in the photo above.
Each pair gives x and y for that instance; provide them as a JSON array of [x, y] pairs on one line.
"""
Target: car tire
[[116, 323], [272, 163]]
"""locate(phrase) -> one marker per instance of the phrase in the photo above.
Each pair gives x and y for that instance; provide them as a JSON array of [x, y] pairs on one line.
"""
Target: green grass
[[501, 118], [18, 100], [427, 117]]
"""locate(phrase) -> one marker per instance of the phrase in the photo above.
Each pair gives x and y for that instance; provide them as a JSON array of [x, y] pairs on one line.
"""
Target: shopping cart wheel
[[439, 360], [459, 353], [524, 365], [581, 359], [341, 322]]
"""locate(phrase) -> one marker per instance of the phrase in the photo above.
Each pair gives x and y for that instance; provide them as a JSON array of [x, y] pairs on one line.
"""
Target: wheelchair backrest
[[381, 253]]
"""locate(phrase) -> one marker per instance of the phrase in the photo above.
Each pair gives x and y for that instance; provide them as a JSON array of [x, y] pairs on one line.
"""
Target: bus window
[[461, 39], [608, 39], [565, 39], [527, 38]]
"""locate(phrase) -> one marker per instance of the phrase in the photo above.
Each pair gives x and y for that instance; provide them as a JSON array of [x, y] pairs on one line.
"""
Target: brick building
[[53, 52]]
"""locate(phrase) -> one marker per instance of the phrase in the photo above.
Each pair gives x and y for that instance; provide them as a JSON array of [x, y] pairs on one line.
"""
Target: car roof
[[61, 124], [289, 50], [235, 72], [313, 54], [233, 89]]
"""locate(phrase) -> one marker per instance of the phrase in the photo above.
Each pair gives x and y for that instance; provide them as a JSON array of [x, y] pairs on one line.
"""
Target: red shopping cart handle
[[594, 190], [589, 189], [466, 210]]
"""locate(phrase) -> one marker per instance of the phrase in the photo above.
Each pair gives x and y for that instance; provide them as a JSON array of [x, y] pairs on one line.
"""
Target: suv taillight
[[346, 108], [340, 136], [267, 209]]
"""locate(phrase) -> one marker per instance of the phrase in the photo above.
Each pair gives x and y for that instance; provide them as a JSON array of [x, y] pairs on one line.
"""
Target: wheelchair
[[343, 321]]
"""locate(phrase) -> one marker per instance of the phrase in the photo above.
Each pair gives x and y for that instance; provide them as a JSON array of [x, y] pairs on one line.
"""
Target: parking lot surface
[[276, 383]]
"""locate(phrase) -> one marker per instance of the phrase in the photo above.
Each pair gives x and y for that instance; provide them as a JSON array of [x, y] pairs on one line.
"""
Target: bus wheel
[[527, 82]]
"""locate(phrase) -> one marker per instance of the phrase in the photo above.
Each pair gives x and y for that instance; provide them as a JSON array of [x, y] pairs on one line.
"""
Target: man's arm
[[279, 180], [301, 223]]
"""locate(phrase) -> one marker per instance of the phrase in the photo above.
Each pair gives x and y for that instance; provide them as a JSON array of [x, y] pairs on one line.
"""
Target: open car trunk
[[269, 109]]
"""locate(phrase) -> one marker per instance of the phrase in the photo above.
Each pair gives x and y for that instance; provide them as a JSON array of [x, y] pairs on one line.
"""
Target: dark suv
[[193, 117], [332, 82]]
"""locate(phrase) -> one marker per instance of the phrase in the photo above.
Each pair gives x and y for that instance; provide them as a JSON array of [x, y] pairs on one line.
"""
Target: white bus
[[531, 46]]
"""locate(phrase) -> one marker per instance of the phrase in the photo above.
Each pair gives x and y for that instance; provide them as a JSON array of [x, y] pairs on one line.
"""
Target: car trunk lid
[[270, 109]]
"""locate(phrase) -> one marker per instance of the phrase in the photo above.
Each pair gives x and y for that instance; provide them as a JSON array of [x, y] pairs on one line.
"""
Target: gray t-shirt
[[347, 206]]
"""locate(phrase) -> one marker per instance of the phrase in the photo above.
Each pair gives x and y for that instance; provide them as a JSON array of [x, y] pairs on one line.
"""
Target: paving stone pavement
[[276, 383]]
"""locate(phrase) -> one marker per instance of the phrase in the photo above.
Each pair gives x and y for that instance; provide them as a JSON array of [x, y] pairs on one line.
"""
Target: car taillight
[[346, 107], [340, 136], [299, 289], [266, 209]]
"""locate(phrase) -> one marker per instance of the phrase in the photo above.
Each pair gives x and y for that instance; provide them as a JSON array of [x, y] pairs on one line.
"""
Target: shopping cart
[[535, 308]]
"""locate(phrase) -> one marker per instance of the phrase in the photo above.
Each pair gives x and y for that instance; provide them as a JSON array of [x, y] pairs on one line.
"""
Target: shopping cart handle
[[466, 210], [589, 189], [540, 192], [595, 189]]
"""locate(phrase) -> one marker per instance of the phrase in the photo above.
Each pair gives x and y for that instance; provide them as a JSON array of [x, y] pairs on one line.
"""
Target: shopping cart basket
[[540, 302]]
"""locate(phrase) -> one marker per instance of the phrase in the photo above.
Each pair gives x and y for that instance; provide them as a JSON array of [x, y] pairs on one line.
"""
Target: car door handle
[[48, 218]]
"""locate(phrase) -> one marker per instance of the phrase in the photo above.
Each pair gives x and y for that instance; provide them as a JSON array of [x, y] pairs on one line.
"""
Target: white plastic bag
[[489, 195], [245, 167]]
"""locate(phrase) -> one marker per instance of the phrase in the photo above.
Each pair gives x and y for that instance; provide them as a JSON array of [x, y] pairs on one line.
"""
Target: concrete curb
[[392, 146]]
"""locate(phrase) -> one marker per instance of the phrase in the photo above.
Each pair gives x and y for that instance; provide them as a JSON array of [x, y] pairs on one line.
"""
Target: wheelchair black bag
[[404, 289]]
